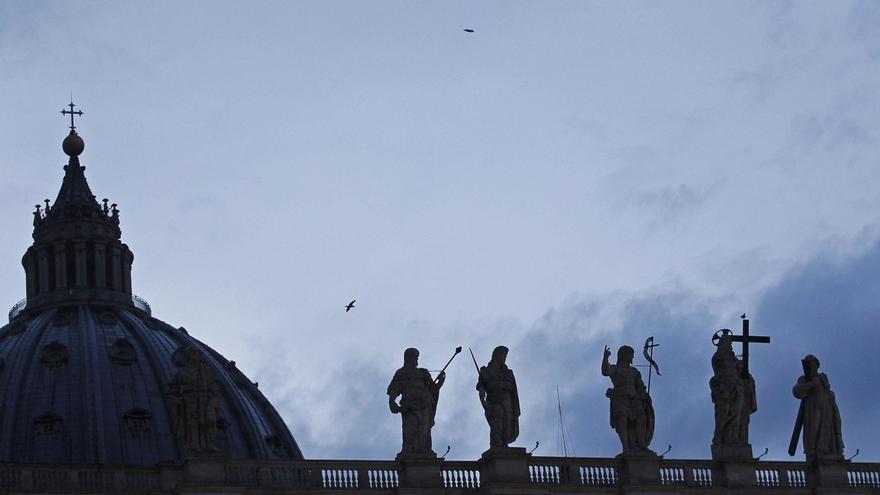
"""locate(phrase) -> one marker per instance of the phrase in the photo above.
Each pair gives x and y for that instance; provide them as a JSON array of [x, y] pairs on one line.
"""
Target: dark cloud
[[827, 307], [572, 340]]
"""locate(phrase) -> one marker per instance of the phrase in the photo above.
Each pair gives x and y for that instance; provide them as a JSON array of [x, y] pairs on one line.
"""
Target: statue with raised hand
[[418, 394], [632, 414]]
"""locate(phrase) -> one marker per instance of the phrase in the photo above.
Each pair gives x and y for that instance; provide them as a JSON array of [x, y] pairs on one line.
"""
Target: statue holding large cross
[[733, 394]]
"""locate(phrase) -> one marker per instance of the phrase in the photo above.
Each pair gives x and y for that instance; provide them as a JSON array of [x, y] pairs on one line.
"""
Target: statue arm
[[802, 388], [606, 366], [430, 383], [393, 392], [514, 395], [481, 386]]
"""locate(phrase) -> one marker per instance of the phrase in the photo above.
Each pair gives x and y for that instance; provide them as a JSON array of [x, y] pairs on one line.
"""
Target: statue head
[[499, 354], [811, 365], [411, 357], [625, 355], [725, 342]]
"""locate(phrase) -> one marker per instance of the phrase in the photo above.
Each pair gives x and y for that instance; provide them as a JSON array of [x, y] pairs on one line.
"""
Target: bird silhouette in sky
[[743, 316], [469, 30], [350, 305]]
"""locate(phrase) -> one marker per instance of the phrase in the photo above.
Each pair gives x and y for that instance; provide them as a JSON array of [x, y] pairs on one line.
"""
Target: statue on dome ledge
[[196, 396]]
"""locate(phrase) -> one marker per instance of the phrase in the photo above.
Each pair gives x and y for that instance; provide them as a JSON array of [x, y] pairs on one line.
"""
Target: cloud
[[826, 306], [863, 21]]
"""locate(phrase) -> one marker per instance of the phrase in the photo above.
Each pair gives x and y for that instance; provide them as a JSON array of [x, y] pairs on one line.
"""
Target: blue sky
[[570, 175]]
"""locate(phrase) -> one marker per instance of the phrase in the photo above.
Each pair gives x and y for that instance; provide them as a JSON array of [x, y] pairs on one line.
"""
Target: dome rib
[[17, 380], [156, 365]]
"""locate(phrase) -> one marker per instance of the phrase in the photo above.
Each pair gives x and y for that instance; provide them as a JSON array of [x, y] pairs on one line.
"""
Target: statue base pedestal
[[736, 466], [640, 468], [505, 465], [203, 469], [735, 474], [421, 471], [828, 474], [732, 452]]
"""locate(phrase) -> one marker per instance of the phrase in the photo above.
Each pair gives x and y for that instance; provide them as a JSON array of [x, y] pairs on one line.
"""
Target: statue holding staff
[[418, 394]]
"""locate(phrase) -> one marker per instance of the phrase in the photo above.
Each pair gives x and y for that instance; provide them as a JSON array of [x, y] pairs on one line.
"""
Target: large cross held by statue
[[746, 338]]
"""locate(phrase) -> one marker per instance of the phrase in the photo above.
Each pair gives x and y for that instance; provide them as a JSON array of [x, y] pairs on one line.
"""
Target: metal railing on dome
[[17, 308], [141, 304], [138, 302]]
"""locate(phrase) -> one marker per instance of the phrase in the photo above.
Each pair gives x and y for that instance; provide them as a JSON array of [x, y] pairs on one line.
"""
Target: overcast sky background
[[570, 175]]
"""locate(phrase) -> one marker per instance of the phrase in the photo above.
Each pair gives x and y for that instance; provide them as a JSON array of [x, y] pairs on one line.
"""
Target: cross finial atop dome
[[73, 145], [71, 112]]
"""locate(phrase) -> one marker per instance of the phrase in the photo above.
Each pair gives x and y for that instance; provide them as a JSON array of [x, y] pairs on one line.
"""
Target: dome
[[101, 384], [89, 376]]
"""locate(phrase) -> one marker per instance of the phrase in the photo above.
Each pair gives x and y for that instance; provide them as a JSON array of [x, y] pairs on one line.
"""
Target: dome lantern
[[77, 254]]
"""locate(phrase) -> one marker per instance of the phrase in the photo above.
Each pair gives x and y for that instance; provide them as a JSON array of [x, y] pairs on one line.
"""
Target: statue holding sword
[[499, 396]]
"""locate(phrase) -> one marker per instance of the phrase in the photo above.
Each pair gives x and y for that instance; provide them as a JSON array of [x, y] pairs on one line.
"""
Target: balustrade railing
[[141, 304], [772, 474], [323, 474], [17, 308], [864, 475], [678, 472], [586, 471], [137, 301], [553, 474], [460, 474], [79, 479]]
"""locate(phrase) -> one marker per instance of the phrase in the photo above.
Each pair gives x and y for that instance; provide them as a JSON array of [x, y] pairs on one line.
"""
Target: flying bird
[[469, 30], [350, 305]]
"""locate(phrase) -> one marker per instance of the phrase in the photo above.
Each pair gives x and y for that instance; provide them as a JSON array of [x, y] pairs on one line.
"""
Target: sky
[[568, 176]]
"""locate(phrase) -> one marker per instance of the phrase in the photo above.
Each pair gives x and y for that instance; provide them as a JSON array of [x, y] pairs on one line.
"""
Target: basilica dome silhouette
[[89, 376]]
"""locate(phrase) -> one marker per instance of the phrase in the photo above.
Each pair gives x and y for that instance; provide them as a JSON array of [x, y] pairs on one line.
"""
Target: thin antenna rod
[[563, 430]]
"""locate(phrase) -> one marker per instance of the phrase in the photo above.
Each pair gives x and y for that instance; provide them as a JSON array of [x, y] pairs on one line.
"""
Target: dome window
[[47, 425], [108, 318], [63, 318], [54, 355], [276, 445], [122, 352], [138, 421]]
